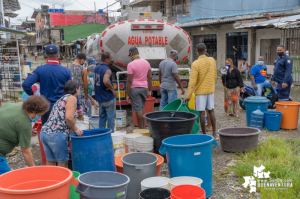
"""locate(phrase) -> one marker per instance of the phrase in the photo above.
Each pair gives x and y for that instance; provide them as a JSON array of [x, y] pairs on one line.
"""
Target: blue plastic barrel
[[254, 103], [272, 120], [93, 151], [190, 155], [28, 63]]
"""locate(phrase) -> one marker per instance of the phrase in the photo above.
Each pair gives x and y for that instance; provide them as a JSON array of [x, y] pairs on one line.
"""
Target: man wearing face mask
[[105, 94], [283, 74], [168, 77], [52, 77], [258, 77]]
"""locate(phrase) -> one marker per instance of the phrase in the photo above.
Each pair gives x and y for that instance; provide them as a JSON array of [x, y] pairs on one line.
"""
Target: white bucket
[[118, 142], [95, 110], [143, 140], [83, 125], [143, 144], [129, 142], [185, 180], [155, 182], [121, 117]]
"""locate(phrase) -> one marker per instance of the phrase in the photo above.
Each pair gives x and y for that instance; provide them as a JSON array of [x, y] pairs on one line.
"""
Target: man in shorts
[[202, 82], [139, 84]]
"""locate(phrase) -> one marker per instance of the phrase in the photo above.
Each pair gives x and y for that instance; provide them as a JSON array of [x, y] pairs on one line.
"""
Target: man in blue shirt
[[52, 77], [283, 68], [105, 93], [258, 77]]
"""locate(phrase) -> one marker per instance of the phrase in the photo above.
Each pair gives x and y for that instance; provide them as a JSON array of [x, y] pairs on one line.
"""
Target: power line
[[282, 15]]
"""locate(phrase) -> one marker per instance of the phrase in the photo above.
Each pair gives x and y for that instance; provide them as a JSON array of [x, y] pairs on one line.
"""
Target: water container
[[252, 103], [83, 124], [272, 120], [93, 151], [121, 117], [155, 193], [118, 142], [155, 182], [257, 119], [190, 155]]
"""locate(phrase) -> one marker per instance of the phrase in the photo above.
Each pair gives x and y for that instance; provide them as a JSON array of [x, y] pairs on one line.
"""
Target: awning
[[4, 29], [283, 22]]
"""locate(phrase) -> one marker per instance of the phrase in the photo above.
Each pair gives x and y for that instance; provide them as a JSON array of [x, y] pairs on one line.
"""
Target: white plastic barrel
[[155, 182], [118, 142], [185, 180], [83, 125], [121, 117]]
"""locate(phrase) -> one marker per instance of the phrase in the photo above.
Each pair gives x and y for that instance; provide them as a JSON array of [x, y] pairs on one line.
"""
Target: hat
[[91, 60], [174, 52], [51, 49], [132, 49]]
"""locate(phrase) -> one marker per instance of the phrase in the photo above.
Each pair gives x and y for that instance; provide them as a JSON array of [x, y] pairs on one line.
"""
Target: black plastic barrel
[[166, 124], [155, 193]]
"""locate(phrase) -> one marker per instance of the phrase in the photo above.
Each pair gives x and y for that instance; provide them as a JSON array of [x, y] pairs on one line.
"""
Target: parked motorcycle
[[250, 92]]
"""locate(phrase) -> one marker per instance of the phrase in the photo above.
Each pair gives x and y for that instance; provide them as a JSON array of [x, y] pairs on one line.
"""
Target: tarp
[[5, 29]]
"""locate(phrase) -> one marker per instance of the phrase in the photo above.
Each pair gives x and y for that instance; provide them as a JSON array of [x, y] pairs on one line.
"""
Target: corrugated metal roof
[[12, 5], [277, 23], [141, 3]]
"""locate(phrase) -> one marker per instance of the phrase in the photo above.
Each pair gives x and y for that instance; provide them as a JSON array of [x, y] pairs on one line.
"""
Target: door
[[211, 44], [237, 46]]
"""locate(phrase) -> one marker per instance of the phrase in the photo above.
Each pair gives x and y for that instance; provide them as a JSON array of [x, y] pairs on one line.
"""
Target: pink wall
[[59, 19]]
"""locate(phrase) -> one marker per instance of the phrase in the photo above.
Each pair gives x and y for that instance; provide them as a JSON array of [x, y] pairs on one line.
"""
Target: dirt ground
[[225, 185]]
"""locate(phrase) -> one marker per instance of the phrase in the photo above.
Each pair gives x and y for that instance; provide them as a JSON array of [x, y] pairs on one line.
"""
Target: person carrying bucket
[[16, 129], [55, 132], [202, 83]]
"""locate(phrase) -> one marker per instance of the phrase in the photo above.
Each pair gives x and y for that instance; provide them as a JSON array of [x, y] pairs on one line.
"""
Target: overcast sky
[[27, 7]]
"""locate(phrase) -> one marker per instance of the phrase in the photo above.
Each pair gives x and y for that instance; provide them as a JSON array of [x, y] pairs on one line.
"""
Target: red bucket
[[187, 192], [148, 108]]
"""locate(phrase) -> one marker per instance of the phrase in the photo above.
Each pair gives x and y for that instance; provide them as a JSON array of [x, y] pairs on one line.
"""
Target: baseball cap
[[174, 52], [92, 60], [51, 49], [132, 49]]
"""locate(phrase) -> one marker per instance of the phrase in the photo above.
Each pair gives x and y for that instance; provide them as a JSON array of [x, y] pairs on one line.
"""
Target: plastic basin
[[272, 120], [119, 163], [239, 139], [93, 151], [190, 155], [185, 180], [166, 124], [155, 182], [290, 114], [149, 107], [178, 105], [45, 182]]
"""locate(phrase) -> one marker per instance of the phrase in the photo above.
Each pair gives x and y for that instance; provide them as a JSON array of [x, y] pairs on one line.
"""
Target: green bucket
[[73, 194], [178, 105]]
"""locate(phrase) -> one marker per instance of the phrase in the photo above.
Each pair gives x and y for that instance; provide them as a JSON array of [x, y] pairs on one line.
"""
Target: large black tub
[[166, 124], [239, 139]]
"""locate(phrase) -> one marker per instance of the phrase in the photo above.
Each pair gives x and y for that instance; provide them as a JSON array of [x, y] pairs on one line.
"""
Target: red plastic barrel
[[148, 108], [187, 192], [41, 182]]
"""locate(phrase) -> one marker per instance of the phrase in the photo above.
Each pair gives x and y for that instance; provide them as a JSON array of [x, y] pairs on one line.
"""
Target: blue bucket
[[93, 151], [190, 155], [254, 103], [272, 120], [29, 64]]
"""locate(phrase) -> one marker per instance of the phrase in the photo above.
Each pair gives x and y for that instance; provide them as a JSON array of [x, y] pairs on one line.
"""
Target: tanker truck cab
[[154, 40]]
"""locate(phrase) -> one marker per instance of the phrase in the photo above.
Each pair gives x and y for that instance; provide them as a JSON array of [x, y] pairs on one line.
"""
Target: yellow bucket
[[143, 132]]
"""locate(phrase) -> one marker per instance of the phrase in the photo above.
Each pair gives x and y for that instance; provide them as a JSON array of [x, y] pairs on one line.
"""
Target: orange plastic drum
[[119, 163], [41, 182], [290, 114]]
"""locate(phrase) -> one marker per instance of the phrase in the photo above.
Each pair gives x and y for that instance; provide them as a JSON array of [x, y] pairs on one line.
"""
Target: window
[[211, 44], [268, 50], [62, 34]]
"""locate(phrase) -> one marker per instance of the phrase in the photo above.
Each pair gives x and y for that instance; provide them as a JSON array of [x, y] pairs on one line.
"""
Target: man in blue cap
[[91, 61], [52, 77]]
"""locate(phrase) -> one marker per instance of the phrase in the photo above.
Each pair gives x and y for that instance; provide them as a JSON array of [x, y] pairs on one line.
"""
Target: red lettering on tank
[[156, 41], [150, 39], [162, 41], [140, 41], [159, 40], [146, 40], [129, 40], [153, 40], [166, 40]]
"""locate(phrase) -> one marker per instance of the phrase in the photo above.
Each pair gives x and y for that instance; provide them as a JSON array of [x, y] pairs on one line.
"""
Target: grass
[[281, 158]]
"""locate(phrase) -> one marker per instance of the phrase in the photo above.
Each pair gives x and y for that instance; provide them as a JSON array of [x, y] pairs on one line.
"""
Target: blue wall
[[204, 9]]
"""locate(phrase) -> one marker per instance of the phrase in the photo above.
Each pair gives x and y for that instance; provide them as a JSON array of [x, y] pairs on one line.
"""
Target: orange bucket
[[119, 163], [290, 114], [41, 182], [187, 192]]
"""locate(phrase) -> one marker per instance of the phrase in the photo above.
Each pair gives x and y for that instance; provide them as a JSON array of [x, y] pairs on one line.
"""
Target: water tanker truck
[[154, 39]]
